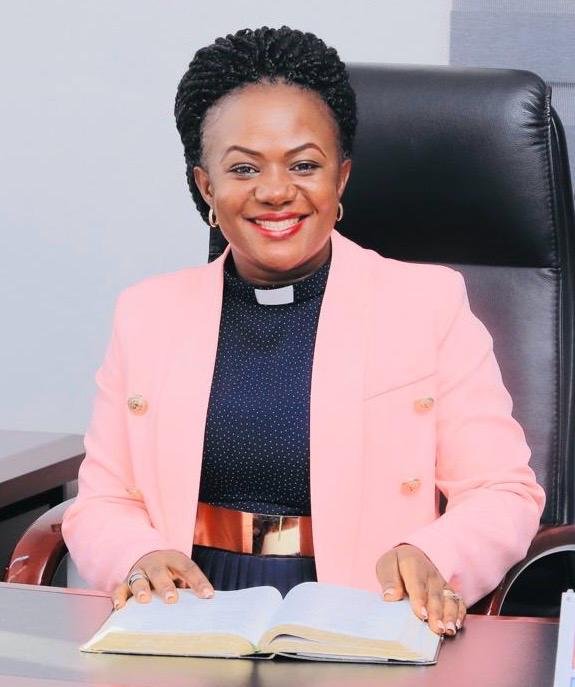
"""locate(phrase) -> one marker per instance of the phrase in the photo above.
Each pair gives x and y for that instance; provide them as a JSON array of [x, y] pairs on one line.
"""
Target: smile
[[278, 225]]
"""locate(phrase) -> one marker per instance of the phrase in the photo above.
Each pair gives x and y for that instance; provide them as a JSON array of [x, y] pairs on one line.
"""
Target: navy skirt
[[227, 570]]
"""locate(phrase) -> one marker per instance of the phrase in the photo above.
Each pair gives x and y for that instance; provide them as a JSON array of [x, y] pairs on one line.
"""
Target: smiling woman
[[297, 374]]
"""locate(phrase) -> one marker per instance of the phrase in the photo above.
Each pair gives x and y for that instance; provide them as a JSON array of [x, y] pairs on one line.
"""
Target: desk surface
[[41, 629], [34, 462]]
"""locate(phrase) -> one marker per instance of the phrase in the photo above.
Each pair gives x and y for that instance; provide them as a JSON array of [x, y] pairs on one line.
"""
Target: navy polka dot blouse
[[256, 444]]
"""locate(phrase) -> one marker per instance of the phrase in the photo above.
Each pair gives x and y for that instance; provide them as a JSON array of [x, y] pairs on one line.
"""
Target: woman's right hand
[[165, 572]]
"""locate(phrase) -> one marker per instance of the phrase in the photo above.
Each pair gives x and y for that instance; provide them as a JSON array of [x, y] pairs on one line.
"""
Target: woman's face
[[272, 172]]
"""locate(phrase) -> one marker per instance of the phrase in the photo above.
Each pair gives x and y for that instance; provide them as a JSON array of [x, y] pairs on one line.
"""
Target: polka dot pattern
[[256, 444]]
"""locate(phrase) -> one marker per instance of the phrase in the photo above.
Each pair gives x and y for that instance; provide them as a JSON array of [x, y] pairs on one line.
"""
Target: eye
[[244, 170], [305, 167]]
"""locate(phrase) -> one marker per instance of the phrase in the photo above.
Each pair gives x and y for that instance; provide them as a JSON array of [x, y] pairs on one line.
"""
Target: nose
[[275, 188]]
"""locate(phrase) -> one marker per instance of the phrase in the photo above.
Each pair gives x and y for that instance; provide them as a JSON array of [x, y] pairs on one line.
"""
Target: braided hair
[[255, 56]]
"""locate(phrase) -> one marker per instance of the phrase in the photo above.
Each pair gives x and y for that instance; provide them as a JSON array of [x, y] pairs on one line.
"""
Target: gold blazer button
[[411, 486], [423, 404], [133, 491], [137, 404]]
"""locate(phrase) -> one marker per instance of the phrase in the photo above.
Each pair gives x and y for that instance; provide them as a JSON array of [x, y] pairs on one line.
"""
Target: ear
[[344, 172], [204, 186]]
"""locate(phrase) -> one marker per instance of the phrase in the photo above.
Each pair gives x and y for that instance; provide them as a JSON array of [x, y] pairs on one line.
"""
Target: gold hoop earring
[[339, 215], [212, 221]]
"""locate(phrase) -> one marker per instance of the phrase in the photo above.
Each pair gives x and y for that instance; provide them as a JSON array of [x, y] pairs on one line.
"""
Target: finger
[[120, 595], [435, 604], [462, 613], [195, 579], [141, 590], [415, 585], [450, 613], [389, 577], [161, 580]]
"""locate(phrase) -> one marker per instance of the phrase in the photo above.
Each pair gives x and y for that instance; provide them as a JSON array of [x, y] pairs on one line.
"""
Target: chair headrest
[[452, 165]]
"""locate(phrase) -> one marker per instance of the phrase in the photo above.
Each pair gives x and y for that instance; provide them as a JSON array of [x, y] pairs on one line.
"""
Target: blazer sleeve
[[107, 529], [493, 501]]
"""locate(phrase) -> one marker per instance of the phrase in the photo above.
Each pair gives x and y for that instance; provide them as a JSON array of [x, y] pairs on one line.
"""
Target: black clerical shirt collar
[[237, 288]]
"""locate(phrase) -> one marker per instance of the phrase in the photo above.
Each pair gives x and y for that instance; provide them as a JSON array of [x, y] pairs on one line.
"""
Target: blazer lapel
[[184, 401], [336, 412]]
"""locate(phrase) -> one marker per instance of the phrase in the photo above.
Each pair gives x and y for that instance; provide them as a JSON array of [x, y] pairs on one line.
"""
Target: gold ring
[[454, 596]]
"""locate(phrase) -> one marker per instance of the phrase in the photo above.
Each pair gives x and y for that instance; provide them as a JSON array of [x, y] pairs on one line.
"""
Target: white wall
[[92, 188]]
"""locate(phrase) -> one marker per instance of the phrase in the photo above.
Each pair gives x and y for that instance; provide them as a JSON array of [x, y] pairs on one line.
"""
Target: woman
[[299, 376]]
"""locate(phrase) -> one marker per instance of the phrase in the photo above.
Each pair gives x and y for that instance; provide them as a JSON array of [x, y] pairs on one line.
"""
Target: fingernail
[[170, 596], [458, 624], [450, 628], [116, 605], [441, 626], [424, 613], [388, 593], [206, 592], [141, 596]]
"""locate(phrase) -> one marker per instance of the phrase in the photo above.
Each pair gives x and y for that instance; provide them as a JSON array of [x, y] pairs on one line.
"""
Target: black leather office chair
[[468, 167]]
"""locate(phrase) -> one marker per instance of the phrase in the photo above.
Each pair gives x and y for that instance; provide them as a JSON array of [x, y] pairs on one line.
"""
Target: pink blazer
[[389, 335]]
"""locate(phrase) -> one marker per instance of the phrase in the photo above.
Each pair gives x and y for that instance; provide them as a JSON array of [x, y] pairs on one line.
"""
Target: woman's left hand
[[406, 570]]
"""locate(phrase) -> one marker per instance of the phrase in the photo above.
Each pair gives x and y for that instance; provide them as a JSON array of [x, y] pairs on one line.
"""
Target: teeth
[[273, 225]]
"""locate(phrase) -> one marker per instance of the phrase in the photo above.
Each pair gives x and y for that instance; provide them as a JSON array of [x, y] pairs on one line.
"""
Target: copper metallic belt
[[241, 532]]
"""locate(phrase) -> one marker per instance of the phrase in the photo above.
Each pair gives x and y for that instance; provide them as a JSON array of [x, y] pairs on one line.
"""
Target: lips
[[279, 226]]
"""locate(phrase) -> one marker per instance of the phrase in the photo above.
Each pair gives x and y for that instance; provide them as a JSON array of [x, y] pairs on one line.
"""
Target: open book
[[314, 621]]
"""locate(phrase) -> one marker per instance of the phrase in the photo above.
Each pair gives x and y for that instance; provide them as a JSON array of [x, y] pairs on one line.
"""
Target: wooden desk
[[34, 470], [42, 627], [32, 463]]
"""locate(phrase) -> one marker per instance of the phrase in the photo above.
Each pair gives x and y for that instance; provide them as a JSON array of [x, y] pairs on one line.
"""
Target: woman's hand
[[163, 571], [407, 570]]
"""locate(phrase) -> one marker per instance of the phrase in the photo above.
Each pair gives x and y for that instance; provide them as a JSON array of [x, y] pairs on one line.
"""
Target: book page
[[245, 612], [354, 613]]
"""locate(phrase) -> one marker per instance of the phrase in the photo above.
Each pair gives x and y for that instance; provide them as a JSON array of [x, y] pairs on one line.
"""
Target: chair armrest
[[549, 540], [39, 550]]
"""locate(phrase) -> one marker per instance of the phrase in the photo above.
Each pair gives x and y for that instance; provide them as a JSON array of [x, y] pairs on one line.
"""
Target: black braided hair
[[254, 56]]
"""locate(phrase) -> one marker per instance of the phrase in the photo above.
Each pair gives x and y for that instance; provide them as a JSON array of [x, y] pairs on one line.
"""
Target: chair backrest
[[468, 167]]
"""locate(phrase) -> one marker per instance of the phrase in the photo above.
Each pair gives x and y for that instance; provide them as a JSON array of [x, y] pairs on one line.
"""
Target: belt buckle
[[275, 535]]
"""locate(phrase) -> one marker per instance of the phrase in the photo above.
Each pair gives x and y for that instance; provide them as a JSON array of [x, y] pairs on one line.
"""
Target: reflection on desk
[[41, 629]]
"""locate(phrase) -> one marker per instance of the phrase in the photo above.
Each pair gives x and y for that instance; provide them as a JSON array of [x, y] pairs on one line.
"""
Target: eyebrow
[[254, 153]]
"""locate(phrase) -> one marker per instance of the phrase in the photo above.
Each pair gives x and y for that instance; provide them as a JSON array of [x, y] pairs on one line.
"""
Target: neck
[[267, 278]]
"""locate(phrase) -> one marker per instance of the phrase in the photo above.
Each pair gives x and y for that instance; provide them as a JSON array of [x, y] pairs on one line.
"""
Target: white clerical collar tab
[[280, 296]]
